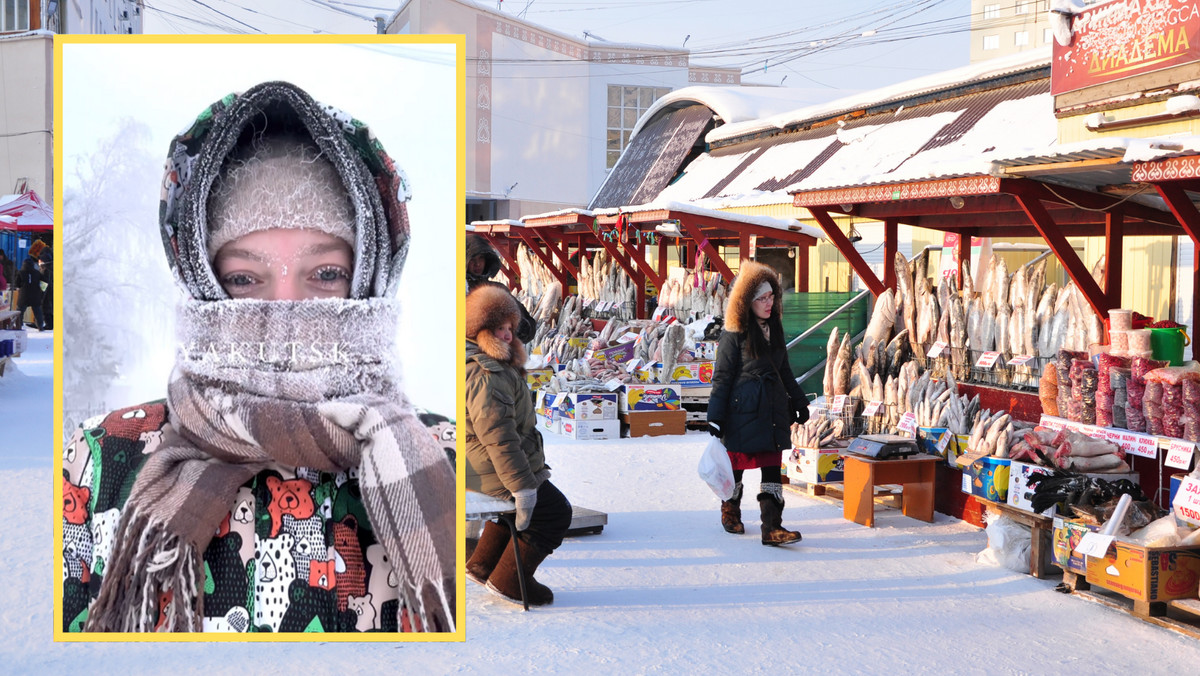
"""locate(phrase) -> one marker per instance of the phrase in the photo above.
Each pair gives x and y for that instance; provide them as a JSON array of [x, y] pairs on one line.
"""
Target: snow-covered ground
[[26, 399], [664, 590]]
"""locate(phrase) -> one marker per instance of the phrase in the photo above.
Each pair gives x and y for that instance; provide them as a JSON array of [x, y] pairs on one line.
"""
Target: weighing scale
[[883, 446]]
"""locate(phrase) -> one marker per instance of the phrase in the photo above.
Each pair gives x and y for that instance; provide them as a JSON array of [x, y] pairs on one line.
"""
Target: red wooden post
[[1114, 236], [890, 237], [843, 244]]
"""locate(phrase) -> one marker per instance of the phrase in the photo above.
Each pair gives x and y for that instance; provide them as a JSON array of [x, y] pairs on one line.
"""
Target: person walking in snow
[[483, 263], [504, 448], [46, 266], [286, 483], [755, 397], [29, 292]]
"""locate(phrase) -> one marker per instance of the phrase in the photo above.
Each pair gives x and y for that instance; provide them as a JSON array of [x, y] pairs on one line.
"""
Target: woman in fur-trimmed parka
[[755, 397], [504, 447]]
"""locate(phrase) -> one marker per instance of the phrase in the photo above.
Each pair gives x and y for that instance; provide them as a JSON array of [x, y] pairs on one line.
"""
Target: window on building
[[14, 15], [1024, 7], [1021, 38], [1047, 35], [991, 11], [991, 42], [625, 105]]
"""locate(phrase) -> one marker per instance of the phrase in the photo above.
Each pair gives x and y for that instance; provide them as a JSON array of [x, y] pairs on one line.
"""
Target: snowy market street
[[26, 399], [664, 590]]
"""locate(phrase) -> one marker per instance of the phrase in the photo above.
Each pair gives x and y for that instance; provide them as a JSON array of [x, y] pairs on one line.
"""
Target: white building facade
[[27, 116], [97, 17], [547, 114]]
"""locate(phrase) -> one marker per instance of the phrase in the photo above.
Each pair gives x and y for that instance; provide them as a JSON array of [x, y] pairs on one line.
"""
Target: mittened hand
[[714, 429], [526, 500]]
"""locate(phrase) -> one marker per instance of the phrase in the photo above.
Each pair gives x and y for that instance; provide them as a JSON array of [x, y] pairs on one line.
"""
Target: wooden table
[[916, 474]]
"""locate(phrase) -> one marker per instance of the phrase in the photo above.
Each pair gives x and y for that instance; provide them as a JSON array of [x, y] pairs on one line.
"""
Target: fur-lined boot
[[505, 583], [731, 512], [770, 502], [491, 546]]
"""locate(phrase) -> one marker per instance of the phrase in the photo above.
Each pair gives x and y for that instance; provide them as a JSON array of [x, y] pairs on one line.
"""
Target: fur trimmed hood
[[478, 246], [489, 305], [751, 275]]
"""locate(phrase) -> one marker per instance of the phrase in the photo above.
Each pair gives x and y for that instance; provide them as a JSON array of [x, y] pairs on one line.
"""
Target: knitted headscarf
[[309, 383]]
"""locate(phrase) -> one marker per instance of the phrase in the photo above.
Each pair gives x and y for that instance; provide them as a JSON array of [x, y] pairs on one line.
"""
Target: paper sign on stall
[[629, 336], [1020, 360], [936, 349], [559, 399], [1179, 454], [872, 408], [614, 385], [987, 360], [1094, 545], [1052, 422], [632, 364], [908, 423], [839, 402], [658, 313], [1186, 505], [1141, 445], [943, 441]]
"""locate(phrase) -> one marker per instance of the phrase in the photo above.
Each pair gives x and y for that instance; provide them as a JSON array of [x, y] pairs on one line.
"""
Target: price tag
[[1052, 422], [1020, 360], [1141, 445], [629, 337], [559, 399], [589, 353], [658, 313], [966, 482], [872, 408], [943, 441], [936, 349], [1179, 454], [632, 364], [839, 402], [908, 423], [987, 360], [614, 385], [1094, 545], [1187, 501]]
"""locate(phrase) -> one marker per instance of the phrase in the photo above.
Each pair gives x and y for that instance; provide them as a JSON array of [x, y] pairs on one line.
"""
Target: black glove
[[714, 428], [800, 412]]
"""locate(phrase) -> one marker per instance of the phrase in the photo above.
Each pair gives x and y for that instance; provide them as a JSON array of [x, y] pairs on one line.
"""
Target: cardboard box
[[591, 429], [655, 423], [650, 398], [549, 424], [705, 350], [543, 404], [814, 465], [1147, 573], [988, 478], [957, 447], [588, 406], [19, 338], [687, 373], [538, 378], [935, 440], [622, 352], [1067, 535], [1020, 494]]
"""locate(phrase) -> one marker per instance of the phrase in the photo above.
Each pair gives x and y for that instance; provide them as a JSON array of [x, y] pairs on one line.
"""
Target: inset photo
[[258, 257]]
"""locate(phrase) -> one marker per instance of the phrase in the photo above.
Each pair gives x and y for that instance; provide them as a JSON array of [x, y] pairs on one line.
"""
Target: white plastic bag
[[716, 470], [1009, 544]]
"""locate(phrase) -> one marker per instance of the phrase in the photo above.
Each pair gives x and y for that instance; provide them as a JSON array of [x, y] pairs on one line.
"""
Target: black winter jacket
[[752, 400], [29, 284]]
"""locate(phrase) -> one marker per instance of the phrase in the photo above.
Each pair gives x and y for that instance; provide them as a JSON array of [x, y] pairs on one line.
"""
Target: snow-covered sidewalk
[[664, 590], [27, 406]]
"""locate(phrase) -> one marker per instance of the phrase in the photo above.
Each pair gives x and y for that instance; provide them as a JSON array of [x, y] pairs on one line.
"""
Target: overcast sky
[[815, 45], [414, 115]]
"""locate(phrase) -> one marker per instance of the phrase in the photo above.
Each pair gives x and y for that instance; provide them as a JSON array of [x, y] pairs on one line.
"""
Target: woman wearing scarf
[[285, 484], [755, 398]]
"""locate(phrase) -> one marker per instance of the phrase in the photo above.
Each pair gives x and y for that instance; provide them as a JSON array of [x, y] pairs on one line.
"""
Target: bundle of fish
[[540, 289], [1068, 450], [601, 279], [817, 432], [694, 294], [1090, 499]]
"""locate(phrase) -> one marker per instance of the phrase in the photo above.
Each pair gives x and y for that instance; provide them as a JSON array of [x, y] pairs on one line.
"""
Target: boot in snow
[[731, 512], [770, 503], [505, 583], [491, 545]]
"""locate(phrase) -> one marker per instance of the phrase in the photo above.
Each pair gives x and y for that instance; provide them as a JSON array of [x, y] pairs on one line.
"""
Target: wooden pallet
[[1179, 616]]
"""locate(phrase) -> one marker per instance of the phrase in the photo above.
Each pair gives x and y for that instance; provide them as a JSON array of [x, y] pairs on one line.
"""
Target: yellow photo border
[[460, 546]]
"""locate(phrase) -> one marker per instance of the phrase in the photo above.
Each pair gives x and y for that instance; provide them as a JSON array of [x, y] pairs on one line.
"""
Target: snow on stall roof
[[559, 212], [983, 70], [689, 208], [503, 221], [731, 104]]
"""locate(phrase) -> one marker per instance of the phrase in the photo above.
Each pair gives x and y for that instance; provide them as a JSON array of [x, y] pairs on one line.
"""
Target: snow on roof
[[41, 32], [928, 84], [689, 208], [560, 212], [503, 221], [731, 104]]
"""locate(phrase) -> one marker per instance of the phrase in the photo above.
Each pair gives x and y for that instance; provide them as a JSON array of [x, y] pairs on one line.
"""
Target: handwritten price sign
[[987, 360], [936, 349], [1179, 454], [872, 408]]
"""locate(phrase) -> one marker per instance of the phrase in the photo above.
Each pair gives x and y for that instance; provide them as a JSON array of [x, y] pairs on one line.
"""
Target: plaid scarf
[[246, 393]]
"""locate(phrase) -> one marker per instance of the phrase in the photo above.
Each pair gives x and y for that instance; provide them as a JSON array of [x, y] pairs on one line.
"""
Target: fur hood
[[489, 306], [478, 246], [737, 310]]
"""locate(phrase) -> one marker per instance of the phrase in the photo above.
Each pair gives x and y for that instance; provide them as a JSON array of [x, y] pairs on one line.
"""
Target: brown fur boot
[[731, 512], [504, 582], [487, 552], [773, 532]]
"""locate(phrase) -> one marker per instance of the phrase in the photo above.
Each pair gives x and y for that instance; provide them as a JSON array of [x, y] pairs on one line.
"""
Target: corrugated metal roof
[[653, 158]]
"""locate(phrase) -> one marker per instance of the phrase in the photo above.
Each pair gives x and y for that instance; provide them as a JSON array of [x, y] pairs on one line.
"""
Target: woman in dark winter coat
[[755, 398], [504, 447], [286, 483], [482, 264], [47, 270], [29, 288]]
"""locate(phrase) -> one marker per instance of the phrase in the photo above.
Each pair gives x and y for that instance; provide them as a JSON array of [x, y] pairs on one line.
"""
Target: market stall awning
[[25, 212]]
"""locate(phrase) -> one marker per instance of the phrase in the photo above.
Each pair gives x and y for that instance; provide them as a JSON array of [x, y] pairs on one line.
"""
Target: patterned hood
[[378, 189]]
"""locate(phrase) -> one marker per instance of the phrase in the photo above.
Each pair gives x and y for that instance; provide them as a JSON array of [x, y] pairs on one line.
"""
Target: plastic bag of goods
[[1062, 364], [1048, 389], [716, 469], [1084, 380], [1009, 544], [1135, 411], [1118, 379], [1153, 408], [1104, 408], [1191, 410]]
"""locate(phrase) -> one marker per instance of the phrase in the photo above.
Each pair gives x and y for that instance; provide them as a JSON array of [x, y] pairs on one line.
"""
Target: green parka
[[503, 444]]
